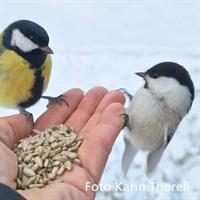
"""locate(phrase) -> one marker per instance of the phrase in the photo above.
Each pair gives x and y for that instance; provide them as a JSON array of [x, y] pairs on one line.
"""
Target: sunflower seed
[[50, 176], [19, 183], [55, 170], [36, 185], [20, 169], [77, 161], [30, 180], [60, 158], [30, 165], [45, 180], [37, 179], [70, 155], [28, 157], [46, 154], [61, 170], [54, 145], [39, 161], [28, 172], [58, 150], [52, 139], [46, 163], [68, 165], [36, 131], [41, 181], [24, 180], [35, 167], [56, 163]]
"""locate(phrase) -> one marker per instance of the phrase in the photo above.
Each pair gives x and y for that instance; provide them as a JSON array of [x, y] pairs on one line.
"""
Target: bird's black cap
[[174, 70], [30, 29]]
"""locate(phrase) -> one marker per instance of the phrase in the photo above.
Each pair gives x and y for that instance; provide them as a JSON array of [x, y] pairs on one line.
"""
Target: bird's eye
[[155, 75], [31, 37]]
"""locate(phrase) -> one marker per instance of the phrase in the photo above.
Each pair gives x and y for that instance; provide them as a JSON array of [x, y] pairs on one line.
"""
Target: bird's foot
[[26, 113], [126, 120], [124, 91], [56, 100]]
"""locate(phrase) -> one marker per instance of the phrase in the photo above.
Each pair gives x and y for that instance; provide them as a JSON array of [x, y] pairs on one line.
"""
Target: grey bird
[[155, 112]]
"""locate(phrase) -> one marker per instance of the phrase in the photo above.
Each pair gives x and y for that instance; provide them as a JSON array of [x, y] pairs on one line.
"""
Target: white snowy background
[[103, 43]]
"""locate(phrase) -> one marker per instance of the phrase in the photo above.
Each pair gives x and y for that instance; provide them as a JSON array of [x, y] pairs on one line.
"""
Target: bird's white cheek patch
[[22, 42]]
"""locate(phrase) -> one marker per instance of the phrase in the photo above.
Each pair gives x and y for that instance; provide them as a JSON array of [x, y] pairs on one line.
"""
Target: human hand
[[95, 116]]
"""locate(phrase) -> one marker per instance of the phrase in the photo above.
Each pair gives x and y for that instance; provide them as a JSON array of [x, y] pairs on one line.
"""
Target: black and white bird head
[[29, 40], [26, 36], [170, 82]]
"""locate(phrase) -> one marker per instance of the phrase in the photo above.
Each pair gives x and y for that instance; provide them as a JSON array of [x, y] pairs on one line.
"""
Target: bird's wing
[[46, 71], [153, 159], [155, 156], [129, 153], [1, 45]]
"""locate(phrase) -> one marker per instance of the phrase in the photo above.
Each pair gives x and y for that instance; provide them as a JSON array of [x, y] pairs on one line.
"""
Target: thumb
[[13, 128]]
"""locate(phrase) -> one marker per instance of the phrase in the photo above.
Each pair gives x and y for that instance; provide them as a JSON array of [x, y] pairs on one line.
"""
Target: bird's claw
[[125, 116], [56, 100], [124, 91], [26, 113]]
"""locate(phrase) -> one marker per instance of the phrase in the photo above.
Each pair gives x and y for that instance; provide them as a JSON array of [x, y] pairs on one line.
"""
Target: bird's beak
[[46, 49], [141, 74]]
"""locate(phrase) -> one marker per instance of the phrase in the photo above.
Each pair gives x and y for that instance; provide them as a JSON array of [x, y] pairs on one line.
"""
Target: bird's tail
[[128, 155], [153, 160]]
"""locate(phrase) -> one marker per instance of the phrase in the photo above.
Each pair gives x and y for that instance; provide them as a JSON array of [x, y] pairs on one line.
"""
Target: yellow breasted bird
[[25, 65]]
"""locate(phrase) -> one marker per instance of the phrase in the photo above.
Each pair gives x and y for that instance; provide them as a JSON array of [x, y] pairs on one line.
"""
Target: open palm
[[95, 116]]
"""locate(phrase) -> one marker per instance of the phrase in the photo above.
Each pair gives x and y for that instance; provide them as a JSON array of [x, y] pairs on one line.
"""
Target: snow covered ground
[[92, 40]]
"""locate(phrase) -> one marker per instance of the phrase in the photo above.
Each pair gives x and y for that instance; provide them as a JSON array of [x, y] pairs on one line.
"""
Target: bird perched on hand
[[25, 65], [155, 112]]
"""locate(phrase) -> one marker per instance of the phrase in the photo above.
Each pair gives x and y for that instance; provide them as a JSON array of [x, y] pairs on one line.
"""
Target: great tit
[[25, 65], [155, 112]]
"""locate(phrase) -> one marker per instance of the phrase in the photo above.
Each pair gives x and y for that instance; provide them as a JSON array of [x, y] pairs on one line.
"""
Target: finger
[[54, 191], [14, 128], [58, 114], [111, 97], [83, 178], [86, 108], [96, 147]]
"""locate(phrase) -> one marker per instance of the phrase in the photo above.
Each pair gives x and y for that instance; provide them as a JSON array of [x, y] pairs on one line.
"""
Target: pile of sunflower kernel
[[44, 155]]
